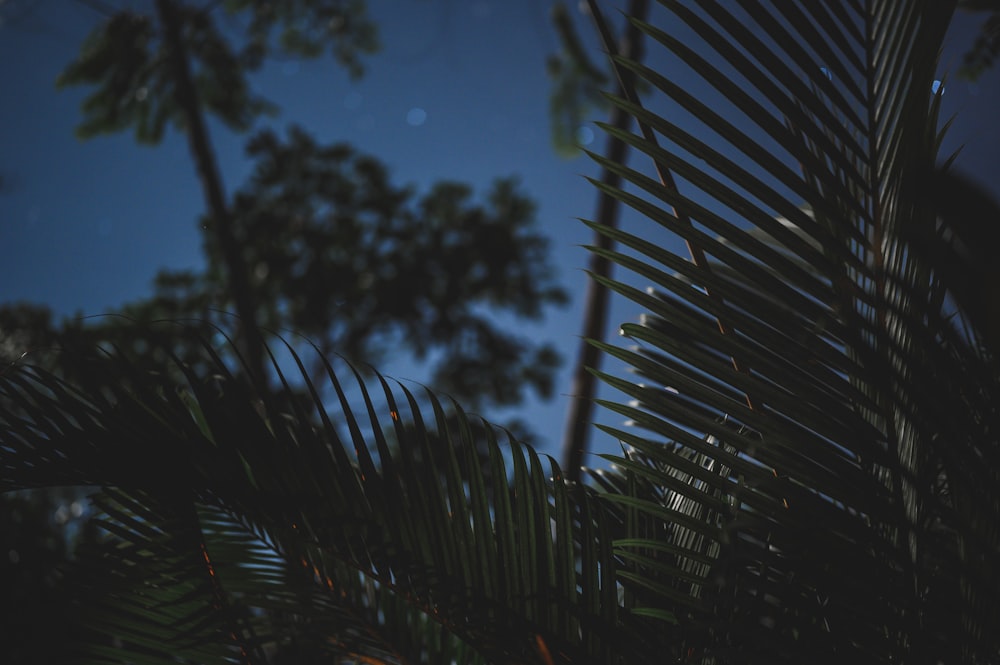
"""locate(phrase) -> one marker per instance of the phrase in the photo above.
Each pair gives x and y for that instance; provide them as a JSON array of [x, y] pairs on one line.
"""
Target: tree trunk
[[186, 96]]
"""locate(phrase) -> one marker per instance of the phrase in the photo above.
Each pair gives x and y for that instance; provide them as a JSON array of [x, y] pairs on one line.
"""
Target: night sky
[[458, 92]]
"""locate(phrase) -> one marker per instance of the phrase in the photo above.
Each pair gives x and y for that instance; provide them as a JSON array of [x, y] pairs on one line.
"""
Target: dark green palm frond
[[230, 592], [809, 371], [149, 591], [243, 526]]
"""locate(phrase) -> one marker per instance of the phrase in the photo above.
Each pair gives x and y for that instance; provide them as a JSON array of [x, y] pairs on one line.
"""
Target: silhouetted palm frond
[[243, 527], [821, 442]]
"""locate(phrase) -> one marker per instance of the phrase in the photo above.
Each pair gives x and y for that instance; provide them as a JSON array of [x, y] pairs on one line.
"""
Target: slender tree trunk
[[186, 96], [576, 434]]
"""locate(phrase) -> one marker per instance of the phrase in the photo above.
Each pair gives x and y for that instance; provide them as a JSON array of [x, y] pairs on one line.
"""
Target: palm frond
[[802, 347], [243, 523]]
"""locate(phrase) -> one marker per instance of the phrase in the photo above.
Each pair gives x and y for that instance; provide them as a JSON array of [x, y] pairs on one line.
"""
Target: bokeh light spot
[[416, 116]]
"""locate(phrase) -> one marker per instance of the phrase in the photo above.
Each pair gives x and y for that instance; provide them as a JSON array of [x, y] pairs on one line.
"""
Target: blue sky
[[458, 92]]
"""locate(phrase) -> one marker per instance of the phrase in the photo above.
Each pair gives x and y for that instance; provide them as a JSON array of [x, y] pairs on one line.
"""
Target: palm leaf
[[243, 524], [794, 492]]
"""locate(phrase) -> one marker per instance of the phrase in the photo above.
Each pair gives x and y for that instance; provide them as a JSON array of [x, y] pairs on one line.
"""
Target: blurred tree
[[576, 84], [335, 250], [320, 240], [986, 47]]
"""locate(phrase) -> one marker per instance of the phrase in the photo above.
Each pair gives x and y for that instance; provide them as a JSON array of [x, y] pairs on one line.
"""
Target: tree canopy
[[320, 240]]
